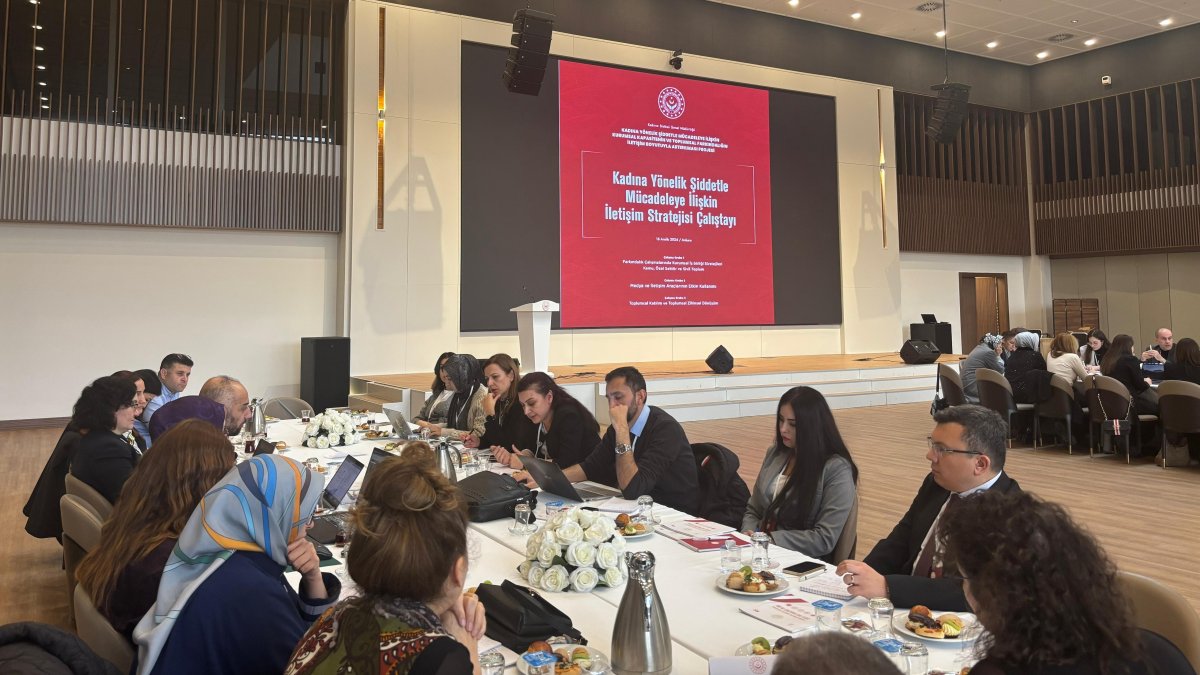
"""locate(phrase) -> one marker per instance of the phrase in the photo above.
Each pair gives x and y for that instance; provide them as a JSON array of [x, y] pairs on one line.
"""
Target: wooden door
[[983, 303]]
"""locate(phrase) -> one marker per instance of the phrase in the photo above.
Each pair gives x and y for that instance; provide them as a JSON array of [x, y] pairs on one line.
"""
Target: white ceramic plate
[[968, 619], [523, 667], [782, 587], [641, 535]]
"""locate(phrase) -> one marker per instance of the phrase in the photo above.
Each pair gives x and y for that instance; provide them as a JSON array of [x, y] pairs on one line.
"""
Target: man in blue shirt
[[173, 372]]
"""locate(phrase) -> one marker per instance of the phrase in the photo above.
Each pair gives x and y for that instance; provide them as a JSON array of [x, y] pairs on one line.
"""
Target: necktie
[[925, 565]]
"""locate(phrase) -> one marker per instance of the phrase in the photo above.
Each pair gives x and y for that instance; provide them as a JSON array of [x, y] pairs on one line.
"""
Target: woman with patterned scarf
[[408, 556]]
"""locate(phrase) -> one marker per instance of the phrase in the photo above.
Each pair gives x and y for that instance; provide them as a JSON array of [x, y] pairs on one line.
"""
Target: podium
[[937, 333], [533, 326]]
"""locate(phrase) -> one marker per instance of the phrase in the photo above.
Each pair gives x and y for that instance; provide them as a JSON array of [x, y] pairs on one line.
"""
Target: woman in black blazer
[[1121, 365], [566, 431], [106, 456], [505, 424]]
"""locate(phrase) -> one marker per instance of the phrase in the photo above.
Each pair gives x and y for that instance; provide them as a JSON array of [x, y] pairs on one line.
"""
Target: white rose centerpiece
[[330, 429], [574, 551]]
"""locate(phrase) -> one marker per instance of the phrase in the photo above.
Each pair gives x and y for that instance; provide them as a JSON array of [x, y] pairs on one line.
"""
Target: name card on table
[[740, 665], [786, 612]]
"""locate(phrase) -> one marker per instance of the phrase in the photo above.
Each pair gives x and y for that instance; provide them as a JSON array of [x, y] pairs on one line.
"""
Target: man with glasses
[[173, 373], [966, 456]]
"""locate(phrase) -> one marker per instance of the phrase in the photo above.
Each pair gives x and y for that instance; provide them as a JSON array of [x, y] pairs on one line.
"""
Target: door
[[983, 304]]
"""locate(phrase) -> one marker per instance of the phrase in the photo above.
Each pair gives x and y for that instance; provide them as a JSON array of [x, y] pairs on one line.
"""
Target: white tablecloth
[[705, 621]]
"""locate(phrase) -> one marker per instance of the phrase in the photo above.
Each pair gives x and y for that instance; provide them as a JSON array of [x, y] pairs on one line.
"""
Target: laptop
[[325, 527], [928, 318], [551, 479], [400, 427]]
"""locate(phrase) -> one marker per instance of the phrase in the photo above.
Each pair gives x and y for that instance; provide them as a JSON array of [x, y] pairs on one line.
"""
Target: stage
[[690, 391]]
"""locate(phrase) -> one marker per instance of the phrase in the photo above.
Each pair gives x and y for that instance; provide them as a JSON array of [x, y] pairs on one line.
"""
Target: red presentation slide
[[665, 188]]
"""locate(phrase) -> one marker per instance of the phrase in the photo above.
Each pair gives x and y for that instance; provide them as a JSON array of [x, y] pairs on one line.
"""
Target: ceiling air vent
[[1061, 37], [929, 7]]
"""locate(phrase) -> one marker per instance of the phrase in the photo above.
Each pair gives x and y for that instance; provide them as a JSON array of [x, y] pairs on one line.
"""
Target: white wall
[[929, 285], [83, 301], [403, 281]]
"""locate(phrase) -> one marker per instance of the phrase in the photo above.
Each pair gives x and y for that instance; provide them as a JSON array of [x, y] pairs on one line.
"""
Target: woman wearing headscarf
[[465, 417], [223, 605], [1026, 359], [985, 355]]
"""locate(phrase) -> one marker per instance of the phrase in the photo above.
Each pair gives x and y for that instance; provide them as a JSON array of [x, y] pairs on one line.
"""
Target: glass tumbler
[[731, 557], [760, 557], [522, 519], [882, 611], [915, 657]]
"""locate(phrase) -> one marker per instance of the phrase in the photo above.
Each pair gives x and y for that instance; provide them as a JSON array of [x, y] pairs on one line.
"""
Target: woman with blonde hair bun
[[408, 556]]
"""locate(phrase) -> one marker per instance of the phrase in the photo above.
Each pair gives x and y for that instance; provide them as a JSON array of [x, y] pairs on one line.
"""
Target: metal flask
[[257, 424], [447, 460], [641, 636]]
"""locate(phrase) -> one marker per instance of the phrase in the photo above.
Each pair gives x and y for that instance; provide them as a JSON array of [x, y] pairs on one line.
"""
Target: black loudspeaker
[[919, 351], [526, 65], [948, 111], [325, 371], [720, 360]]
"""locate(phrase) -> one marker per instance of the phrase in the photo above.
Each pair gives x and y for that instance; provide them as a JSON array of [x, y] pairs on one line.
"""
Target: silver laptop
[[400, 426], [551, 479]]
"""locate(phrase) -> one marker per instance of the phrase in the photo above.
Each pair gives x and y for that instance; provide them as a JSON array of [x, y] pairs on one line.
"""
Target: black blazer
[[104, 461], [1019, 364], [42, 509], [895, 556], [1161, 658], [1128, 371], [572, 436], [512, 428], [1181, 371], [666, 465]]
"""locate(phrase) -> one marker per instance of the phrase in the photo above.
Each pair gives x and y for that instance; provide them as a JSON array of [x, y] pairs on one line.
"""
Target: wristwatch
[[623, 448]]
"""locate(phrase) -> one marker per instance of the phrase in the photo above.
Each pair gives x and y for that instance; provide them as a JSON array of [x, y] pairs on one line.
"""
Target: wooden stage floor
[[572, 374]]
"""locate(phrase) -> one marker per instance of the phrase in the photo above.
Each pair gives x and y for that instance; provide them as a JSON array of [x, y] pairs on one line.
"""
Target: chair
[[1160, 609], [1109, 400], [1178, 410], [995, 393], [1059, 407], [90, 495], [846, 543], [285, 407], [81, 533], [98, 633], [952, 386]]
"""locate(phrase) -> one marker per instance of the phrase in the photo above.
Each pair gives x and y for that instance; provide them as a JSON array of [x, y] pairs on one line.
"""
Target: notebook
[[786, 612], [829, 584]]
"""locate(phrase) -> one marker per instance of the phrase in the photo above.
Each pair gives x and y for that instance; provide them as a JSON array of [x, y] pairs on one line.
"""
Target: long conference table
[[705, 622]]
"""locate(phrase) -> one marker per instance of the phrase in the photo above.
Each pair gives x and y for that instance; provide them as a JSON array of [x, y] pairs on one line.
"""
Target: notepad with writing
[[829, 584], [714, 543], [785, 612]]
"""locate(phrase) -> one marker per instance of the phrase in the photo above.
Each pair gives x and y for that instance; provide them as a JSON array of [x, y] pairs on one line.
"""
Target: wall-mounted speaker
[[948, 111], [720, 360], [526, 64], [919, 351]]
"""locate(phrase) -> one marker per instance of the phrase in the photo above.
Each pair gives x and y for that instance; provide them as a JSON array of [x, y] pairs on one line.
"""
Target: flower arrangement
[[330, 429], [575, 550]]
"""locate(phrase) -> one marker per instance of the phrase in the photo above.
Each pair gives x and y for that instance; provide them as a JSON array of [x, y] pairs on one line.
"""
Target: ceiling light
[[1089, 42], [38, 48], [45, 107], [940, 33], [794, 3], [1042, 55], [993, 44], [41, 67], [856, 16], [1166, 22], [36, 27], [45, 98], [41, 84]]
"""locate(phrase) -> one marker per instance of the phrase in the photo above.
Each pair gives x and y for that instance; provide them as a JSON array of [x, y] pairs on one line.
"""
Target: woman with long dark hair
[[106, 409], [1121, 365], [505, 424], [433, 413], [566, 431], [1093, 352], [1046, 593], [808, 482], [121, 577]]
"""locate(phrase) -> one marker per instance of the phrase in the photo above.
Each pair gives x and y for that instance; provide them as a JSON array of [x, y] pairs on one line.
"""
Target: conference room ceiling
[[1019, 30]]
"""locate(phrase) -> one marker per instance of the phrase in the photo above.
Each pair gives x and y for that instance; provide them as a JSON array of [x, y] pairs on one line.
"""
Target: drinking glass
[[760, 557], [915, 657], [645, 510], [522, 519], [882, 611], [829, 615], [305, 415], [599, 665], [966, 650], [491, 663], [731, 557]]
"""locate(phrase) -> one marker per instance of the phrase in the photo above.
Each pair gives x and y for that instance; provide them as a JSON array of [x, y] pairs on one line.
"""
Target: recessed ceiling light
[[993, 44], [1042, 55], [794, 3], [1074, 20], [940, 33], [1166, 22], [1089, 42], [856, 16]]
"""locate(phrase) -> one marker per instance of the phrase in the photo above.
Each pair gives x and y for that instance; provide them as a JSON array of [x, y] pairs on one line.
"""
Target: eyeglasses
[[130, 404], [942, 450]]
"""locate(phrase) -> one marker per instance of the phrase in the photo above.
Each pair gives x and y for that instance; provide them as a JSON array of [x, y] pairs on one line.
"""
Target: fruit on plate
[[749, 581], [761, 646], [952, 625], [632, 529]]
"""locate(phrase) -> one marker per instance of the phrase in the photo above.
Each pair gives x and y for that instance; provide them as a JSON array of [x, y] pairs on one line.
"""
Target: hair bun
[[411, 482]]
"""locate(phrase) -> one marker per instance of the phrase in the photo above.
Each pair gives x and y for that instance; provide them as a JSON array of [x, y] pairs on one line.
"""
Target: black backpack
[[723, 493]]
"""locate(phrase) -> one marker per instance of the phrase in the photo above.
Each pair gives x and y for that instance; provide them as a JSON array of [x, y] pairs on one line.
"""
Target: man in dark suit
[[966, 456]]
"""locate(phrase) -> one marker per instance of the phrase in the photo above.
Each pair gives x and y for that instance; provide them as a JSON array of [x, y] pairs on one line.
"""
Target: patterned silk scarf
[[367, 635]]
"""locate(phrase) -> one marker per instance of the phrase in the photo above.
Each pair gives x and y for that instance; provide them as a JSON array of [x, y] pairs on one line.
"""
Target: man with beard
[[644, 451], [231, 394]]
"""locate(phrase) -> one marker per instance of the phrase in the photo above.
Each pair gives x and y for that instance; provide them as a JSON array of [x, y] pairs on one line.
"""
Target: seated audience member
[[134, 436], [505, 425], [985, 355], [408, 557], [223, 604], [187, 408], [433, 414], [966, 457], [465, 418], [1163, 348], [105, 457], [1064, 361], [1093, 352], [1046, 593], [1121, 365], [644, 451], [1008, 341], [832, 654], [231, 394], [1026, 359], [1186, 365], [121, 576], [173, 376], [566, 431], [807, 484]]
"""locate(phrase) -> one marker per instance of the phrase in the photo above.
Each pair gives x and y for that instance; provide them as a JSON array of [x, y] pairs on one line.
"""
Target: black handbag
[[517, 616], [491, 496]]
